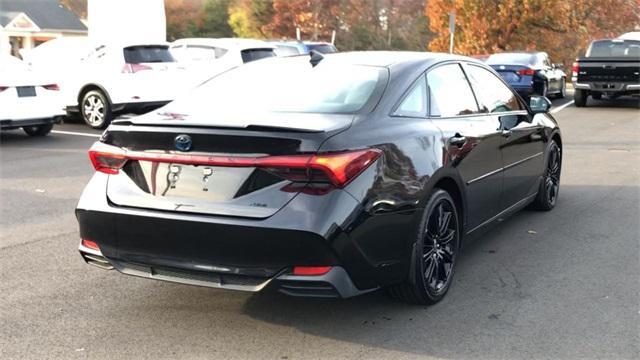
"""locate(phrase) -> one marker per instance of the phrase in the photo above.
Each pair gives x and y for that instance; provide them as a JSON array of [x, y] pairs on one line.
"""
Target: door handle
[[505, 133], [458, 140]]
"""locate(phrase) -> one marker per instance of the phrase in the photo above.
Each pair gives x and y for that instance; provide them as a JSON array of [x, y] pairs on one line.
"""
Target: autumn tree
[[561, 28], [315, 19], [248, 18], [185, 18]]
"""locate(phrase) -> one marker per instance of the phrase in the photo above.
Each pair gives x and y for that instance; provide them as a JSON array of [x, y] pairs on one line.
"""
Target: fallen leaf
[[532, 232], [40, 190]]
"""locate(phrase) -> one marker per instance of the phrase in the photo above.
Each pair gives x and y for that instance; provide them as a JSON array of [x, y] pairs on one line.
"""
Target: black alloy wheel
[[435, 253], [550, 185]]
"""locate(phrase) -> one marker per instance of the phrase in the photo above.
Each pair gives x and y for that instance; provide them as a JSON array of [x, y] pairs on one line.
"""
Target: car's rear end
[[27, 98], [231, 199], [148, 77], [516, 69]]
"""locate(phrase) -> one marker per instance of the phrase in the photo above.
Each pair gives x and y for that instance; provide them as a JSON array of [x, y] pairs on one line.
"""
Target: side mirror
[[539, 104]]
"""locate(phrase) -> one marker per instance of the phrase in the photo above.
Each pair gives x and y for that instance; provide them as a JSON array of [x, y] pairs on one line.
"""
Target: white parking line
[[561, 107], [75, 133]]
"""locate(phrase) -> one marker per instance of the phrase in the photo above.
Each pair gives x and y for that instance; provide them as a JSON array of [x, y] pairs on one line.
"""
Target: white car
[[208, 57], [106, 79], [28, 99]]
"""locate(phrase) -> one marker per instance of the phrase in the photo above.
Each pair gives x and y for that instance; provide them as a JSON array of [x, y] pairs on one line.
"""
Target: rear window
[[614, 49], [250, 55], [511, 58], [323, 48], [147, 54], [286, 85], [285, 50]]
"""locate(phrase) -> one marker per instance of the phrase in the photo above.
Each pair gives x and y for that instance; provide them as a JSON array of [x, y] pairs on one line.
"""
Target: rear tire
[[96, 109], [38, 130], [563, 89], [580, 97], [550, 184], [434, 254]]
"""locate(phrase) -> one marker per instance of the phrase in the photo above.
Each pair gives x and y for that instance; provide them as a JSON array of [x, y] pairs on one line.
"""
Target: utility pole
[[452, 30]]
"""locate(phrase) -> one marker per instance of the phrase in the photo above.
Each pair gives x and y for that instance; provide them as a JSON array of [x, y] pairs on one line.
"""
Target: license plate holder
[[26, 91]]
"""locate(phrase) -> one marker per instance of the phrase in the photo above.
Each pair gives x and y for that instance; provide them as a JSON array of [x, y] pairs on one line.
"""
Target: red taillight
[[337, 168], [90, 244], [575, 68], [53, 87], [530, 72], [311, 270], [134, 68], [106, 158], [3, 88]]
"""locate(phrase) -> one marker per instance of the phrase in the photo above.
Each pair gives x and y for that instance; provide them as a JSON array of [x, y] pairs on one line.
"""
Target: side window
[[415, 103], [493, 95], [449, 92]]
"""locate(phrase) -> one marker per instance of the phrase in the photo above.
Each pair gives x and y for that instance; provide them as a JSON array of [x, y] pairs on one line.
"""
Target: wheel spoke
[[429, 266], [447, 237]]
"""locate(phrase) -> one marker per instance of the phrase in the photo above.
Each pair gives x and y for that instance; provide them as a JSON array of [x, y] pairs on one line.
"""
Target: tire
[[95, 109], [544, 90], [38, 130], [433, 257], [596, 95], [563, 89], [550, 184], [580, 97]]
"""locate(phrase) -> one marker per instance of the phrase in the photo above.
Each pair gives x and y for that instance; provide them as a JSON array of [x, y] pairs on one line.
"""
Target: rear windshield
[[147, 54], [250, 55], [323, 48], [286, 50], [614, 49], [511, 58], [286, 85]]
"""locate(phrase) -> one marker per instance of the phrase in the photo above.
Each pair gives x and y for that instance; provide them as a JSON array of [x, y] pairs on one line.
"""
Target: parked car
[[212, 56], [102, 80], [610, 68], [530, 73], [363, 180], [633, 35], [28, 100], [291, 48]]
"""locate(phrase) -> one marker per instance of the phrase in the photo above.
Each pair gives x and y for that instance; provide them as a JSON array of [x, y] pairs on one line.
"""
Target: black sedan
[[530, 73], [326, 176]]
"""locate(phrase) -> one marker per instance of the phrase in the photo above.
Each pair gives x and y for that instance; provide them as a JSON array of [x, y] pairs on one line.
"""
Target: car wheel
[[434, 255], [563, 89], [580, 97], [96, 109], [38, 130], [550, 185]]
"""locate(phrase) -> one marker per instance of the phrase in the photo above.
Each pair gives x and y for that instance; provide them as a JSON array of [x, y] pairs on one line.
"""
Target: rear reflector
[[310, 270], [526, 72], [575, 68], [90, 244], [336, 168], [52, 87]]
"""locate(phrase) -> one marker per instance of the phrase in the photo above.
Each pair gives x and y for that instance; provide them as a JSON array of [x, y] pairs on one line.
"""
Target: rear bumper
[[8, 124], [524, 91], [231, 253], [607, 87]]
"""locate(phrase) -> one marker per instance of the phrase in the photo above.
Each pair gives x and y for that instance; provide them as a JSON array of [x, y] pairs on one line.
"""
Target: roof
[[226, 43], [46, 14], [390, 58]]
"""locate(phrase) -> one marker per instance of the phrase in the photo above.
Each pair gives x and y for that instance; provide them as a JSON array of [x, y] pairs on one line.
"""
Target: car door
[[472, 140], [550, 73], [522, 139]]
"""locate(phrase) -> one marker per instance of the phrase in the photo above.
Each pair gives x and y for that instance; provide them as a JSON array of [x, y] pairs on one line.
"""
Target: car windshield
[[285, 85], [511, 58], [147, 54], [614, 48]]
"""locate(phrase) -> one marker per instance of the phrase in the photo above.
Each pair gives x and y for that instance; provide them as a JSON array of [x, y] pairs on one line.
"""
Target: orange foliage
[[561, 28]]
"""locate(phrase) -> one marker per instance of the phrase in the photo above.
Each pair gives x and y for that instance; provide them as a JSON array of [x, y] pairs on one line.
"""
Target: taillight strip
[[339, 167]]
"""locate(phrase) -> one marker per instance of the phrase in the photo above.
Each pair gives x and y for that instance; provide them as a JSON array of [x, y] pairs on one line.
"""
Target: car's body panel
[[367, 227], [529, 76]]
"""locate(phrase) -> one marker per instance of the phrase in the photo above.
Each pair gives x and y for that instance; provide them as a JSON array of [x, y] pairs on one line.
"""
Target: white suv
[[208, 57], [114, 78]]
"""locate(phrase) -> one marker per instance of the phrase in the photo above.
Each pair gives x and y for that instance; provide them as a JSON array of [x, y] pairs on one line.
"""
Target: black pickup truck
[[610, 67]]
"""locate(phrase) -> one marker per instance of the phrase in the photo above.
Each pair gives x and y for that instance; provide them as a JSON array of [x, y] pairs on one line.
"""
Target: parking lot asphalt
[[560, 284]]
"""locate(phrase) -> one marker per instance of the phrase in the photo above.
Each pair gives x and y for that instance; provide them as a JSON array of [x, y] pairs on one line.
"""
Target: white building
[[25, 24]]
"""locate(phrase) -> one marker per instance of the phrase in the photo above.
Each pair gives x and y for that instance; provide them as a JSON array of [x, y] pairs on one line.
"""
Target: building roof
[[46, 14]]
